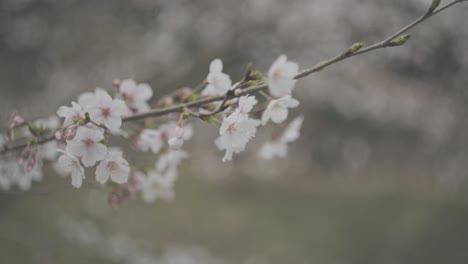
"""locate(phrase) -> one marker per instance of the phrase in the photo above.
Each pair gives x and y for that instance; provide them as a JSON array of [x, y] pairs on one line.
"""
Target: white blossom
[[277, 109], [292, 132], [168, 130], [218, 82], [281, 76], [279, 147], [86, 144], [235, 132], [177, 139], [150, 139], [11, 174], [51, 123], [170, 160], [246, 103], [105, 110], [136, 96], [70, 165], [8, 171], [272, 149], [71, 114], [115, 167], [158, 185]]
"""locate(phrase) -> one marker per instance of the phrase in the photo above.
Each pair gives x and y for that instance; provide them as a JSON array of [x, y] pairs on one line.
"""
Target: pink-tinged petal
[[102, 173], [75, 147]]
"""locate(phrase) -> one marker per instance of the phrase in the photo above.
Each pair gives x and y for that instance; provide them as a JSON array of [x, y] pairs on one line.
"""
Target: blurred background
[[378, 176]]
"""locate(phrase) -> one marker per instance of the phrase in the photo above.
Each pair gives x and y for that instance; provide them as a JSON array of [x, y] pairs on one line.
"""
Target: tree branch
[[382, 44], [351, 52]]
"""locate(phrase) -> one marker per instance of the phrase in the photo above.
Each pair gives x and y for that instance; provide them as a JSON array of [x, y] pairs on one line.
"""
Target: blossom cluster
[[82, 142]]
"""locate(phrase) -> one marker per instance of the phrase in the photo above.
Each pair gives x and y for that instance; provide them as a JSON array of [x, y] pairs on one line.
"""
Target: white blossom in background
[[86, 145], [157, 185], [71, 114], [218, 82], [114, 166], [70, 165], [281, 77], [279, 147], [8, 170], [48, 150], [150, 139], [25, 178], [105, 110], [235, 132], [277, 109], [170, 160], [292, 132], [51, 123], [177, 140], [11, 174], [272, 149], [168, 130], [136, 96]]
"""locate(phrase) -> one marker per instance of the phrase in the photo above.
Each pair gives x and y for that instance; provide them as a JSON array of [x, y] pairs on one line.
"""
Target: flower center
[[105, 111], [88, 142], [232, 128], [112, 165]]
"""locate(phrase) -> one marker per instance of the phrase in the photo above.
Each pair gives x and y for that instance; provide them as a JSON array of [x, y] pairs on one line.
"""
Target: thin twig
[[382, 44]]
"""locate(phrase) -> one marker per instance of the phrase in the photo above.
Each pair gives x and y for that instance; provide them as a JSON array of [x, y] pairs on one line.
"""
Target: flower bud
[[399, 40]]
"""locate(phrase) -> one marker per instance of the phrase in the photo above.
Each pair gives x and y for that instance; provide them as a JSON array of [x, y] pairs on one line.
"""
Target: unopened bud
[[71, 132], [59, 135], [16, 121], [116, 84], [400, 40], [32, 160], [434, 5], [356, 47]]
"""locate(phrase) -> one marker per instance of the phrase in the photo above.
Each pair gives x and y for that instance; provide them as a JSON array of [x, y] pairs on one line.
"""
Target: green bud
[[400, 40], [80, 122], [256, 75], [434, 5], [356, 47]]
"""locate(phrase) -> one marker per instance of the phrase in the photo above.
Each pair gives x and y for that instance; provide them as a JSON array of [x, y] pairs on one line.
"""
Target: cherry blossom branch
[[396, 39], [153, 113]]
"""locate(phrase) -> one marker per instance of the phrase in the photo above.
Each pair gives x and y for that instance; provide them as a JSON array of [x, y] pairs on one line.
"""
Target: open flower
[[277, 109], [272, 149], [105, 110], [114, 166], [71, 114], [281, 76], [136, 96], [246, 103], [177, 140], [170, 160], [218, 82], [150, 139], [157, 185], [235, 132], [86, 144], [70, 165], [279, 147]]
